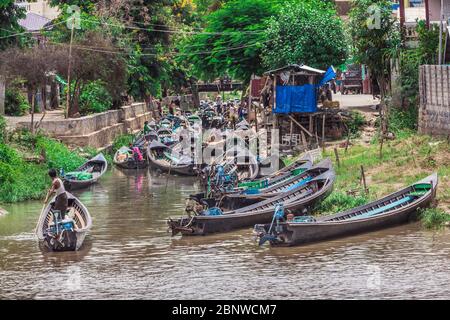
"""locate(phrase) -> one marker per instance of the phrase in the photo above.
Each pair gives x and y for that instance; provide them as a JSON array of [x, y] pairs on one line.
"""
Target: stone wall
[[97, 130], [434, 109]]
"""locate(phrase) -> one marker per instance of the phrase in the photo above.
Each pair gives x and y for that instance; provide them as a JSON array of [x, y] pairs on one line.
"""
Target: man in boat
[[61, 201], [137, 154], [146, 128]]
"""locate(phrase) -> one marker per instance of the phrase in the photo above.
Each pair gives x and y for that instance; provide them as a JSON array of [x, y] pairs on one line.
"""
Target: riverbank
[[404, 161], [25, 160]]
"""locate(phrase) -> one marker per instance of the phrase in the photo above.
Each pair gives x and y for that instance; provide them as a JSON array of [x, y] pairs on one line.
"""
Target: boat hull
[[203, 225], [295, 233]]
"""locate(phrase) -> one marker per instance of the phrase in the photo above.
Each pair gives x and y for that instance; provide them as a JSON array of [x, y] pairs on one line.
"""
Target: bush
[[2, 129], [400, 120], [95, 98], [355, 122], [58, 155], [339, 201], [433, 218], [15, 103], [123, 140]]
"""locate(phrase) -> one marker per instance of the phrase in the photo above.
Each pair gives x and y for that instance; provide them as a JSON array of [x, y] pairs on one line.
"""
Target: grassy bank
[[22, 175], [405, 160]]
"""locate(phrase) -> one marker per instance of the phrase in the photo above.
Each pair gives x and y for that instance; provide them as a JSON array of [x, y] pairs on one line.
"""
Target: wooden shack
[[295, 111]]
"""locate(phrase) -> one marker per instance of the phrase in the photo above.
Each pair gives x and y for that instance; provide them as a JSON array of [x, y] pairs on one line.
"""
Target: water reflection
[[130, 254]]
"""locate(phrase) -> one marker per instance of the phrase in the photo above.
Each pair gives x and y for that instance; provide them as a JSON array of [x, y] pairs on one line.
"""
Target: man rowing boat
[[61, 201]]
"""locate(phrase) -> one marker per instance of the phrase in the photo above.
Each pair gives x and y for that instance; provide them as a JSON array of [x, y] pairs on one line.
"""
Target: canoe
[[67, 234], [397, 208], [250, 192], [95, 168], [128, 162], [302, 164], [299, 201], [165, 159], [284, 183]]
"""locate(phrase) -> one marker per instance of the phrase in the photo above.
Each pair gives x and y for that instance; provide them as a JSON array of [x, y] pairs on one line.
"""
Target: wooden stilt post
[[337, 157], [363, 178], [323, 132]]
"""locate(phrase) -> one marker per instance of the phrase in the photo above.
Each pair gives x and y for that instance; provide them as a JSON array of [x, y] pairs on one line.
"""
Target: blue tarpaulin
[[329, 75], [296, 99]]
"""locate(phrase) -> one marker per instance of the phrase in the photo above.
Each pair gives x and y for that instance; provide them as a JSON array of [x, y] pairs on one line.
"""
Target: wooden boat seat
[[383, 208]]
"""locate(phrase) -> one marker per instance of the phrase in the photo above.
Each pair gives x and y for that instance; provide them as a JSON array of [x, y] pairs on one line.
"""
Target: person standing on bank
[[61, 201]]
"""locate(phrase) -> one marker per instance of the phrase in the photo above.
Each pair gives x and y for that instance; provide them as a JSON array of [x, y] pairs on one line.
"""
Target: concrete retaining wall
[[434, 110], [98, 130]]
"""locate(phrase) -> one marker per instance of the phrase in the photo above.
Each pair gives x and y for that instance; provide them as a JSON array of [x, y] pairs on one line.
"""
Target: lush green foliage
[[21, 180], [57, 154], [9, 16], [123, 140], [232, 40], [339, 201], [376, 38], [2, 129], [15, 102], [308, 32], [355, 122], [94, 98], [434, 218], [428, 42]]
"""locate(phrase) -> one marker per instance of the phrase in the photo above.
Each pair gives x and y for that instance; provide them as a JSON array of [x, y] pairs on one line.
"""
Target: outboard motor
[[61, 234]]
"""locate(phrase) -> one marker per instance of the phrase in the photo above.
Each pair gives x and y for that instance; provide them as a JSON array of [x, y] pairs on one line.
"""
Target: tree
[[376, 38], [231, 42], [308, 32], [34, 66], [94, 58], [9, 16]]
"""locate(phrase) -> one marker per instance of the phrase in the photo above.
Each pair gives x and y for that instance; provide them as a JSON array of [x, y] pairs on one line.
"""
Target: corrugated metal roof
[[33, 22], [295, 67]]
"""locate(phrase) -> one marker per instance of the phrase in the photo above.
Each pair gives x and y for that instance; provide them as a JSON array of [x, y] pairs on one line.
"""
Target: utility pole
[[68, 70], [441, 26]]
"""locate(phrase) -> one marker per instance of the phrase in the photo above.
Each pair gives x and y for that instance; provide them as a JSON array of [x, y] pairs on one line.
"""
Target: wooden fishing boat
[[128, 161], [56, 234], [243, 163], [298, 201], [394, 209], [165, 159], [87, 174], [276, 187], [250, 192], [302, 164], [166, 136]]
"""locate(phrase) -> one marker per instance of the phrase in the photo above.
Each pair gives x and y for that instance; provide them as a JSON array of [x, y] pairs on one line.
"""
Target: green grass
[[21, 180], [123, 140], [339, 201], [433, 218]]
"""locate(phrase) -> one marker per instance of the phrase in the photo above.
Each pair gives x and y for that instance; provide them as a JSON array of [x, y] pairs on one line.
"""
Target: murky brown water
[[129, 255]]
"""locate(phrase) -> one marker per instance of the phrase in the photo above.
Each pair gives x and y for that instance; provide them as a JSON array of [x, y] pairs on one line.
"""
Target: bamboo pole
[[336, 154], [363, 178], [69, 69]]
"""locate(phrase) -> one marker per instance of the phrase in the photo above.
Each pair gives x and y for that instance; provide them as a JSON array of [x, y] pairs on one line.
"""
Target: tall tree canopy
[[9, 26], [232, 40], [376, 38], [308, 32]]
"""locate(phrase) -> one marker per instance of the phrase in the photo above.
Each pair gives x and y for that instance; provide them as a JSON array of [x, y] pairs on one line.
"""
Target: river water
[[130, 255]]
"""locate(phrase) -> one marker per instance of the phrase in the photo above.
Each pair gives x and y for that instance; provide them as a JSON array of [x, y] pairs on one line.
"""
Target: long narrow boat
[[67, 234], [124, 159], [298, 201], [87, 174], [276, 187], [394, 209], [302, 164], [165, 159]]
